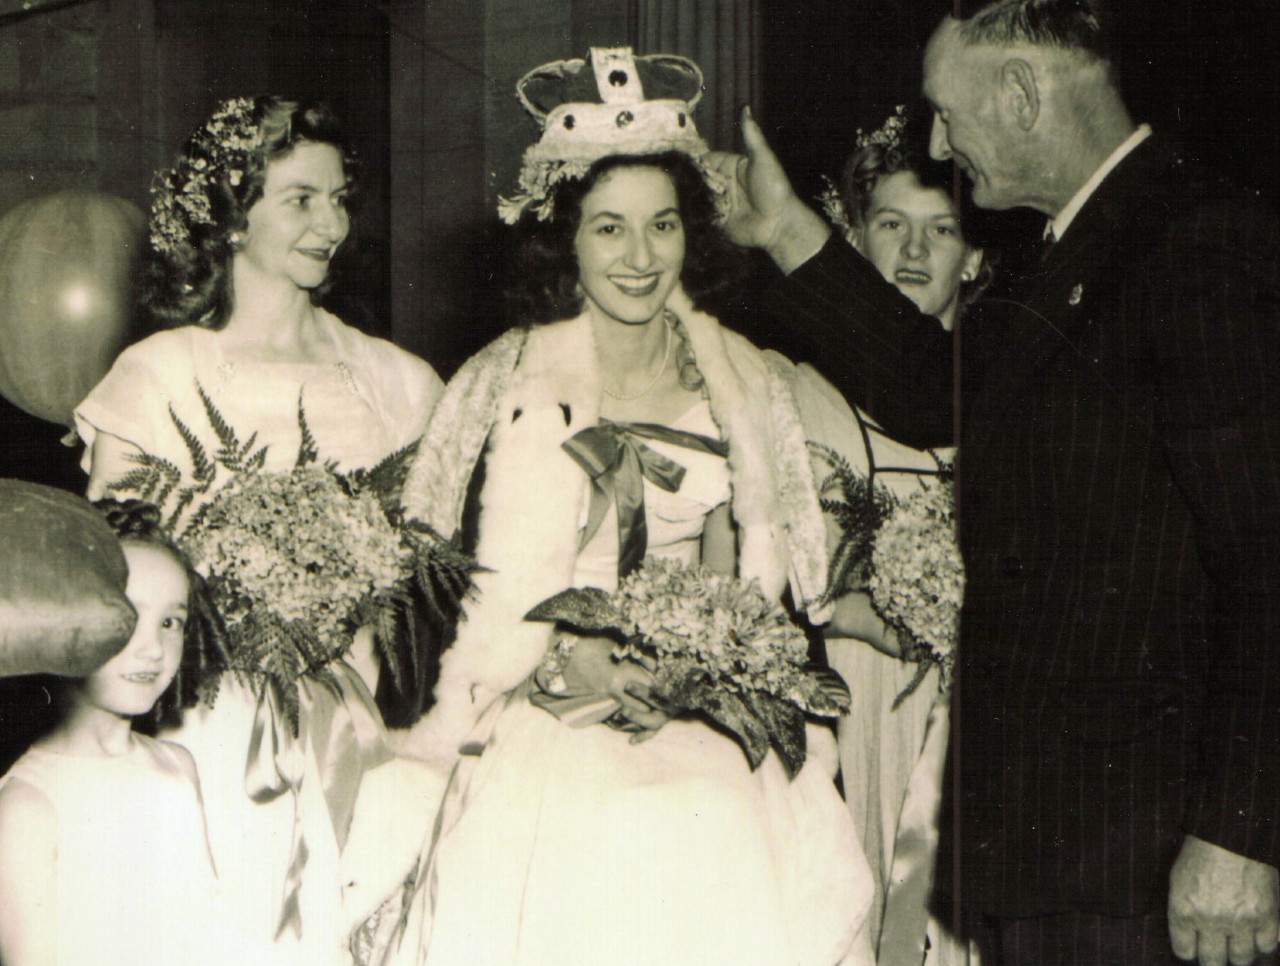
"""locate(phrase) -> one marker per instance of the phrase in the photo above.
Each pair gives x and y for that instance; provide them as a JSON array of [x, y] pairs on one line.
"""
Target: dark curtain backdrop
[[723, 38]]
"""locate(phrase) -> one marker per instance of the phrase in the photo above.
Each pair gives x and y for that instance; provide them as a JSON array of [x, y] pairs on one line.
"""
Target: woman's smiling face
[[630, 244], [297, 225]]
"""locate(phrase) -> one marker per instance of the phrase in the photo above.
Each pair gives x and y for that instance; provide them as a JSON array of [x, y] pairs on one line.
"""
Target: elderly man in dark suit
[[1118, 703]]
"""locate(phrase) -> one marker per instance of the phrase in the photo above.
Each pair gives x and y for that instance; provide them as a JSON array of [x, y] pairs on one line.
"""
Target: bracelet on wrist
[[550, 674]]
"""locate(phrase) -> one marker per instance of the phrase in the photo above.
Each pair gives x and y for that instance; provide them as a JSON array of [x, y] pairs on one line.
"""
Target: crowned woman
[[621, 433]]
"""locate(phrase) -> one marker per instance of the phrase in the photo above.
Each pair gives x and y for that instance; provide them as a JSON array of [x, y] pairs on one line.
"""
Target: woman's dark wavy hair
[[863, 171], [203, 658], [191, 284], [547, 280]]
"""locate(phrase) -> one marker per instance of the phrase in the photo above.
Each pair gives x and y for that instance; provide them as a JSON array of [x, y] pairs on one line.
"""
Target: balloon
[[62, 582], [66, 263]]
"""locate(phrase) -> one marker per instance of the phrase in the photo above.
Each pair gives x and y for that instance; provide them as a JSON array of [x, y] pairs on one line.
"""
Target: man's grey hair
[[1082, 26]]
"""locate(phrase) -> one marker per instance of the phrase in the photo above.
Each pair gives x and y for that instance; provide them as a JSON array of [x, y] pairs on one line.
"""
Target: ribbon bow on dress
[[618, 462]]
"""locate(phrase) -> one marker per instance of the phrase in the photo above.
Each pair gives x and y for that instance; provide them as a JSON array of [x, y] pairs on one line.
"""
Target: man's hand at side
[[1222, 906]]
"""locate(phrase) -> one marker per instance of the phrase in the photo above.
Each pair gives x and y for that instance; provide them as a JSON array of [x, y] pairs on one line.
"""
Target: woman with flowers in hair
[[248, 381], [621, 443], [894, 205]]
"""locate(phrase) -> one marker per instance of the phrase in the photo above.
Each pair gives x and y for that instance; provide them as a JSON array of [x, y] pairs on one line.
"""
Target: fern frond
[[832, 480], [157, 477], [185, 496], [834, 507], [142, 481], [237, 462], [202, 468], [256, 461], [308, 452], [834, 459], [922, 669], [227, 438], [849, 565], [386, 479], [442, 571], [387, 614]]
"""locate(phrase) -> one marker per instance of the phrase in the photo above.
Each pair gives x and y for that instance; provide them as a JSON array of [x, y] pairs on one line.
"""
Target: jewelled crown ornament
[[611, 103]]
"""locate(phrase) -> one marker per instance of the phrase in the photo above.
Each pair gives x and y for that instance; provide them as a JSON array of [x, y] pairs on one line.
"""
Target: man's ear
[[1019, 92]]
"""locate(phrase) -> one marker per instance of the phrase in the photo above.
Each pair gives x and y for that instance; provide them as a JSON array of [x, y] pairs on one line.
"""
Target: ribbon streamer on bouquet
[[617, 461], [344, 729], [348, 739], [906, 907], [275, 766]]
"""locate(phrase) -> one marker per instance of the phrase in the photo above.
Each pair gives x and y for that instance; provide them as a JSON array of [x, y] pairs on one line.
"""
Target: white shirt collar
[[1059, 224]]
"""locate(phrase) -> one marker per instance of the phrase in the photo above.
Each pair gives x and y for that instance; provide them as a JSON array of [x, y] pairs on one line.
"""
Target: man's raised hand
[[763, 210]]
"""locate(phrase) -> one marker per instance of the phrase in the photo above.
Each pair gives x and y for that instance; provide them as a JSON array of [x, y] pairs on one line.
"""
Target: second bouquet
[[720, 651]]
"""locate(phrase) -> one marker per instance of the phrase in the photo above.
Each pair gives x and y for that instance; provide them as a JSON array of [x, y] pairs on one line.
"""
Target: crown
[[610, 103]]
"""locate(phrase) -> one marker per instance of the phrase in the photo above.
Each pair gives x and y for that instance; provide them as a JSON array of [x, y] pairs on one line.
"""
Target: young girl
[[103, 853]]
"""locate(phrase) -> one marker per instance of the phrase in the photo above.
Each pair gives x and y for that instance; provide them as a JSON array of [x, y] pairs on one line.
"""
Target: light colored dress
[[374, 401], [134, 881], [562, 845], [893, 756]]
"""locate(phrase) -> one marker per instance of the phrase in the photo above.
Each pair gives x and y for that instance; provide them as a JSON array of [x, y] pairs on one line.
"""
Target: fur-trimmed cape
[[528, 392]]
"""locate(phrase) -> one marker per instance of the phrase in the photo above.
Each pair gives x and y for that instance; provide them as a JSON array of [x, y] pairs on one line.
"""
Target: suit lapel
[[1074, 289]]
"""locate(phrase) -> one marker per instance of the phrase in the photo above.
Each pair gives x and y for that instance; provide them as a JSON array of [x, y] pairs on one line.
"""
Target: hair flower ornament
[[889, 134], [613, 102], [180, 196]]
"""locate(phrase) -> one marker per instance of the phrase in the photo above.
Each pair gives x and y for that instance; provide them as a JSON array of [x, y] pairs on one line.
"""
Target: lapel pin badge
[[1076, 294]]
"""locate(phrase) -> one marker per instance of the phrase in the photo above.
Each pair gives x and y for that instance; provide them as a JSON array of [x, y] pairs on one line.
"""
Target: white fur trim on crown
[[588, 132]]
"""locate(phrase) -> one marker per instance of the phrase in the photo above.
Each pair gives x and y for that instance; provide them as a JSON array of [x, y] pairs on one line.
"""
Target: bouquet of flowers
[[722, 652], [903, 552], [297, 561]]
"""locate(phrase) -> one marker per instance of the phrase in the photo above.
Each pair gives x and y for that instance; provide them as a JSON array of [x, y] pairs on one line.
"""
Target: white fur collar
[[529, 392]]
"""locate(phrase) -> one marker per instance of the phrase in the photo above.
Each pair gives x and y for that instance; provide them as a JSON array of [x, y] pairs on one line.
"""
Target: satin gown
[[562, 845]]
